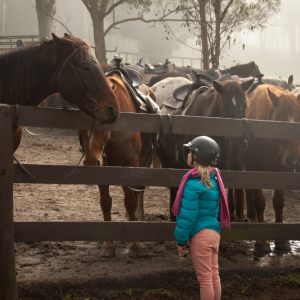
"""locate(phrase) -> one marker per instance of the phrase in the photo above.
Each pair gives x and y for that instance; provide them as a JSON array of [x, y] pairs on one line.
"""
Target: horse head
[[80, 79], [286, 108], [94, 146]]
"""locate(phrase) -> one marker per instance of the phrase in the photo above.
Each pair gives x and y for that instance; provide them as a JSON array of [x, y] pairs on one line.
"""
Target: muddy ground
[[43, 268]]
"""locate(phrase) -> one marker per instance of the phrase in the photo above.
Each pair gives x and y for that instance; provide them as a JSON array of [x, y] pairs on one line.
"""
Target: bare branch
[[162, 19], [112, 50], [114, 6], [60, 22], [87, 5], [181, 41], [226, 9]]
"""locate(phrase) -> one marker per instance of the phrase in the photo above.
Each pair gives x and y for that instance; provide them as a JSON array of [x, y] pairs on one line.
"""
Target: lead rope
[[57, 180]]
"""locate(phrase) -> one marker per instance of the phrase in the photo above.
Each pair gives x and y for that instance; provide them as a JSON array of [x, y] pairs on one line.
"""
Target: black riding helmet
[[20, 42], [206, 150]]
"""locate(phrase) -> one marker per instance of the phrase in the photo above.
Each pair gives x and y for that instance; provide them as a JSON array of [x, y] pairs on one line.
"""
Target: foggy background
[[276, 49]]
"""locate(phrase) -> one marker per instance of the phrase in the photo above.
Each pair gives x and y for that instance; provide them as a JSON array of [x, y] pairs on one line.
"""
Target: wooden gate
[[11, 232]]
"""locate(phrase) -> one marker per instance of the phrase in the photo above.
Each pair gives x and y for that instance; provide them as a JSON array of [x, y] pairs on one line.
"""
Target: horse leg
[[108, 247], [239, 203], [140, 215], [172, 200], [231, 204], [135, 247], [278, 202], [260, 206], [251, 213]]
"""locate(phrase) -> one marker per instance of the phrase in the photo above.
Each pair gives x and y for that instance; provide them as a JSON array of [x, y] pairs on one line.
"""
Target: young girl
[[199, 203]]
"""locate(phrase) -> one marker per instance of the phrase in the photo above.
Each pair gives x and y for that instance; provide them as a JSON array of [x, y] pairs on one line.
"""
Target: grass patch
[[68, 296], [293, 279], [244, 289], [129, 293]]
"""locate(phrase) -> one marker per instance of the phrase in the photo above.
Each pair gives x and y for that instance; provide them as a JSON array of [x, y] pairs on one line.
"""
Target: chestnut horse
[[271, 103], [62, 65], [225, 100], [122, 149]]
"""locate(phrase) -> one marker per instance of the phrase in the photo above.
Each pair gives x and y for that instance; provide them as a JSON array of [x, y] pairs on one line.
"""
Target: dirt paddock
[[48, 270]]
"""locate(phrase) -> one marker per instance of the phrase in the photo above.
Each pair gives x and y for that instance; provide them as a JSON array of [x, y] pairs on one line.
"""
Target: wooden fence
[[92, 231], [13, 40]]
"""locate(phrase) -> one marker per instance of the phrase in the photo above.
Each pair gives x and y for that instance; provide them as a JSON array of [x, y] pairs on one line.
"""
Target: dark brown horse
[[122, 149], [225, 100], [243, 70], [30, 75], [275, 104]]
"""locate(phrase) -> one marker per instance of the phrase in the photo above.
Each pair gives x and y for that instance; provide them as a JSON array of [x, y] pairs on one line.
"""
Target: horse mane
[[260, 106], [18, 76], [18, 69]]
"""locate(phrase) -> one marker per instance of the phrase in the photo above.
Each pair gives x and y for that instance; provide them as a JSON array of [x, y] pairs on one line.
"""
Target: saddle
[[157, 70], [204, 82], [136, 77], [212, 73]]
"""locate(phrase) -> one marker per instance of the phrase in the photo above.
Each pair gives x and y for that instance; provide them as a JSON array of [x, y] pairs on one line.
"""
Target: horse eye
[[84, 67]]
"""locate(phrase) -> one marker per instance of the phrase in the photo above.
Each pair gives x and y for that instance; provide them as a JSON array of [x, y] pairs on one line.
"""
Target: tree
[[45, 10], [101, 10], [213, 22]]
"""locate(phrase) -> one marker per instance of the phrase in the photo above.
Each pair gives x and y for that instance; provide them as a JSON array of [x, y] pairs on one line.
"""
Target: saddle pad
[[181, 92], [171, 102]]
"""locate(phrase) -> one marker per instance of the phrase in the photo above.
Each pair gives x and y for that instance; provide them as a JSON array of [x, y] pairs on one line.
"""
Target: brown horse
[[30, 75], [243, 70], [122, 149], [225, 100], [275, 104]]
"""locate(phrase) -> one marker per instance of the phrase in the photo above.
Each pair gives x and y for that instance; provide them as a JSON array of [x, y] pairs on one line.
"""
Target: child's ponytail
[[205, 177]]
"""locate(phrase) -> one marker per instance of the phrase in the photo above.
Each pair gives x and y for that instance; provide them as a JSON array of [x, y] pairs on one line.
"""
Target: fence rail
[[142, 231], [152, 177], [62, 118], [93, 231]]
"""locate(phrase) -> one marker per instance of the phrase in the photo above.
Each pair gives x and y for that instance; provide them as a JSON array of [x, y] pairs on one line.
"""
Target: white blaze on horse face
[[233, 101], [91, 140]]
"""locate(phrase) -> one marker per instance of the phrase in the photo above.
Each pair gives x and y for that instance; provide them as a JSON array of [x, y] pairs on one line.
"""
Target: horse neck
[[34, 80]]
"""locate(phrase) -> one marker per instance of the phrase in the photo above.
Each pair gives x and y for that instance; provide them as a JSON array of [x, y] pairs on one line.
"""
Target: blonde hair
[[205, 177]]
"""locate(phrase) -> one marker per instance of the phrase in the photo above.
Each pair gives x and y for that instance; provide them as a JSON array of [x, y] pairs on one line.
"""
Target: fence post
[[8, 286]]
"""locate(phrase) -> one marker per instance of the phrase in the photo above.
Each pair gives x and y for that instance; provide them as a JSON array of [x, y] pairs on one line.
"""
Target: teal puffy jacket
[[199, 209]]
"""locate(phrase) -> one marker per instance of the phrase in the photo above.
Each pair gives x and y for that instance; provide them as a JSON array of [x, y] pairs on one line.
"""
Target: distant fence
[[92, 231], [133, 58], [13, 40]]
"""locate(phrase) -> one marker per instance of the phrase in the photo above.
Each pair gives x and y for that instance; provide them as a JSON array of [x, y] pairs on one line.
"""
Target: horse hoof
[[135, 249], [108, 252], [282, 245], [262, 247]]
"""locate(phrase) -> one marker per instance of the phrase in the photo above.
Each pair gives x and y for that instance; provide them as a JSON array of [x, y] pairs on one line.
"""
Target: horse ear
[[273, 97], [66, 34], [246, 85], [64, 45], [290, 80], [218, 87]]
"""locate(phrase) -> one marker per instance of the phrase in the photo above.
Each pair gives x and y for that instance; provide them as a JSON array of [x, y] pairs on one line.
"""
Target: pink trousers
[[204, 251]]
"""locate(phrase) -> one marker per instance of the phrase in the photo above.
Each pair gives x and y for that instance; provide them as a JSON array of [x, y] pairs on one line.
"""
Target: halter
[[67, 61]]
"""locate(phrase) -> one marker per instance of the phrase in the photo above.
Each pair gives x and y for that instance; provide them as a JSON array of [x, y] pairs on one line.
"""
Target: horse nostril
[[112, 112], [98, 162]]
